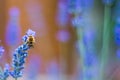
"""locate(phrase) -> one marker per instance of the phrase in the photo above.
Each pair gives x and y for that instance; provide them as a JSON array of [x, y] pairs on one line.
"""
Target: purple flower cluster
[[19, 57], [3, 73]]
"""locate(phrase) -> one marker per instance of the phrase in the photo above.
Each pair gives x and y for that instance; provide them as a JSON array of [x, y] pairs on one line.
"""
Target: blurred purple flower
[[1, 50], [63, 35], [117, 34], [12, 35], [14, 11], [118, 53], [13, 27], [90, 59], [89, 37], [62, 15], [33, 70], [78, 22], [53, 68], [75, 6], [88, 3]]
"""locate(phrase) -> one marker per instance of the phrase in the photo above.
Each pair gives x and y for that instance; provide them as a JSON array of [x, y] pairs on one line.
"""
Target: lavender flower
[[13, 29], [1, 51], [72, 6], [3, 73], [117, 34], [30, 32], [18, 60], [6, 71], [20, 55], [75, 6], [33, 70]]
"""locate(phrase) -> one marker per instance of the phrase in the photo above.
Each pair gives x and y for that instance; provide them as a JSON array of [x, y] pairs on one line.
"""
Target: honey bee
[[30, 41]]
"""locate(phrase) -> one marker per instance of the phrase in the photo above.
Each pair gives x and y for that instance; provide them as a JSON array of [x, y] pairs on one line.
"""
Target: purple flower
[[117, 34], [1, 50], [6, 71], [75, 6], [13, 29], [30, 33], [63, 36], [24, 38]]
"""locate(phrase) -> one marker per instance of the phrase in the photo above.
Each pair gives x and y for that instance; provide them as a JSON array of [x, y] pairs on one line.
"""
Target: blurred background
[[75, 39]]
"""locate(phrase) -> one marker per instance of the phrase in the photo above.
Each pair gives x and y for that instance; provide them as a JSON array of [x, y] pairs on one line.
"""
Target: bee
[[30, 41]]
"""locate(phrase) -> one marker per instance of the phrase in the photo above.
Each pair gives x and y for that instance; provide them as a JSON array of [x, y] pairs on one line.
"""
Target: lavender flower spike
[[21, 53], [6, 71]]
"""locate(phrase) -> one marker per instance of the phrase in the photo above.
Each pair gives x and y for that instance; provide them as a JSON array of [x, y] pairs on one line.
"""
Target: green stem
[[81, 49], [15, 78], [105, 44]]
